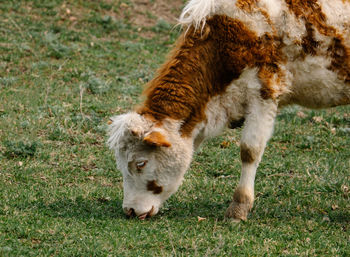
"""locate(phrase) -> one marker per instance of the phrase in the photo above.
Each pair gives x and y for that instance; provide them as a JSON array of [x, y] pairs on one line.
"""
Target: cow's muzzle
[[130, 212]]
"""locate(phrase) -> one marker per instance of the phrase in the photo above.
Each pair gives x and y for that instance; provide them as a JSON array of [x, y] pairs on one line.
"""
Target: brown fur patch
[[240, 206], [238, 211], [246, 5], [340, 58], [248, 154], [272, 79], [311, 12], [314, 18], [242, 196], [202, 67], [252, 6], [186, 81], [152, 186], [155, 138], [268, 19], [309, 43]]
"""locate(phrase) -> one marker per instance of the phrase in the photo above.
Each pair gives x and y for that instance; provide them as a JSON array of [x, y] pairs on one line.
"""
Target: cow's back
[[313, 40]]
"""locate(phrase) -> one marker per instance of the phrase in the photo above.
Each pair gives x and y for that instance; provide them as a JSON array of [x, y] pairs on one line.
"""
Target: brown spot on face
[[155, 138], [202, 67], [152, 186], [248, 154]]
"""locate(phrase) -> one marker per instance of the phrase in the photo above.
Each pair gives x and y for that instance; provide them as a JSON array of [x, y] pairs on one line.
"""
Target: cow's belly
[[314, 85]]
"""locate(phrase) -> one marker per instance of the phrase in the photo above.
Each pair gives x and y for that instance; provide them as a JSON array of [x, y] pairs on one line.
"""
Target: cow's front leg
[[257, 130]]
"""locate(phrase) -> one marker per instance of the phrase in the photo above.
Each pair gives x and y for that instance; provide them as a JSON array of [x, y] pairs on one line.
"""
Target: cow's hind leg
[[257, 130]]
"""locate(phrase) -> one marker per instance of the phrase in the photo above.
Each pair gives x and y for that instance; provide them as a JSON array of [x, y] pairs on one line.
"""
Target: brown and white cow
[[237, 60]]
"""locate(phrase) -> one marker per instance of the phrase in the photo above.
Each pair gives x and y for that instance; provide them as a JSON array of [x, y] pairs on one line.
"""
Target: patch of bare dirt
[[142, 14], [146, 13]]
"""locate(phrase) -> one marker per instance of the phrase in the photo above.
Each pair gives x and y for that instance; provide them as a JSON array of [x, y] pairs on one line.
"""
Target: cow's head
[[152, 157]]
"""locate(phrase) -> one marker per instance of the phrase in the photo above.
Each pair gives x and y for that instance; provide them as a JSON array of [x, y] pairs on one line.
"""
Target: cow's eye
[[140, 165]]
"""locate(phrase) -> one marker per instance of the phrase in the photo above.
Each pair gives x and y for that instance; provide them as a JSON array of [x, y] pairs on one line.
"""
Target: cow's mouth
[[131, 213], [147, 214]]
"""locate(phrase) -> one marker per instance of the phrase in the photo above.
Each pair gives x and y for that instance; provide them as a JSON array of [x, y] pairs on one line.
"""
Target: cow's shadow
[[203, 208], [216, 210], [99, 208], [341, 216], [195, 208], [82, 208]]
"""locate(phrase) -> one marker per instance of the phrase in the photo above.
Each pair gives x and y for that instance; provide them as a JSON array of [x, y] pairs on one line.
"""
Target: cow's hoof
[[238, 211]]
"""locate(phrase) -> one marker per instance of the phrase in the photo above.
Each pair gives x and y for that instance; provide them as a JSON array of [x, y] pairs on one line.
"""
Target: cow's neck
[[192, 81], [227, 109]]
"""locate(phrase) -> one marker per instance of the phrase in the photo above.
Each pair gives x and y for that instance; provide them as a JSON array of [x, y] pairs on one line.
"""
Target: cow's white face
[[152, 159]]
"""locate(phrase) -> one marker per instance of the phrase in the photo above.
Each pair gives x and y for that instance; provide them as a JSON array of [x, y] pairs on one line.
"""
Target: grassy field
[[65, 68]]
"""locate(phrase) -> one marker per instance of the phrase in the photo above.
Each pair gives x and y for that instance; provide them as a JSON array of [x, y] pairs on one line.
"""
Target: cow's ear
[[156, 138]]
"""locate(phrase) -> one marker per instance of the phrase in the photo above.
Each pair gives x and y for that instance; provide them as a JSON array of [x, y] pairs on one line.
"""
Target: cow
[[236, 62]]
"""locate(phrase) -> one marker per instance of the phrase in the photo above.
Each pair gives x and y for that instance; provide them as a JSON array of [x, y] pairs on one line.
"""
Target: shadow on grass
[[341, 217], [97, 208], [82, 208], [85, 208], [194, 208]]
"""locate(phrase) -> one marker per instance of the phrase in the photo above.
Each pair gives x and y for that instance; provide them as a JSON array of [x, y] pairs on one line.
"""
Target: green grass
[[61, 78]]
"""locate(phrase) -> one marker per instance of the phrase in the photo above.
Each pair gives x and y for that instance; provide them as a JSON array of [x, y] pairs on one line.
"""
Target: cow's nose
[[129, 211], [147, 214]]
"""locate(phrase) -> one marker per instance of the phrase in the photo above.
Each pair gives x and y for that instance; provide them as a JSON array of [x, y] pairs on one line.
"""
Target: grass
[[65, 68]]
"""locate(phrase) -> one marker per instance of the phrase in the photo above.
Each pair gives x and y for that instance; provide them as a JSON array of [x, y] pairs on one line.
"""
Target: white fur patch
[[123, 125], [196, 12], [314, 85], [273, 7]]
